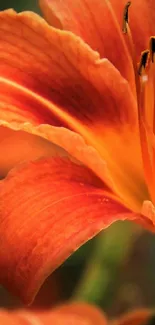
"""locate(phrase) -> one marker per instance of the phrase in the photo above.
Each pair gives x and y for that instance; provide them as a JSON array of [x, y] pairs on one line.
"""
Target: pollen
[[152, 48], [126, 17], [143, 61]]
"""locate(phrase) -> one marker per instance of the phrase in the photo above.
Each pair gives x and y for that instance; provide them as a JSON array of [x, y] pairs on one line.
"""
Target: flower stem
[[110, 250]]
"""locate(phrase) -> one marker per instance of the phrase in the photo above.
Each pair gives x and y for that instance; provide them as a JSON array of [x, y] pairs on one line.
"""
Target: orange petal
[[95, 22], [72, 142], [77, 87], [141, 21], [138, 317], [69, 314], [88, 313], [8, 318], [17, 147], [43, 209], [63, 82]]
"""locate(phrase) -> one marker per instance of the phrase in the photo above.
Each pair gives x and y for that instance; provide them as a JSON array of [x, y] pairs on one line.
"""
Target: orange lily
[[74, 87], [137, 317], [69, 314]]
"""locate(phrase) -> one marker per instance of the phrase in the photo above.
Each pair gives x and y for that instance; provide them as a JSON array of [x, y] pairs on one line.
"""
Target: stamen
[[127, 31], [126, 17], [145, 83], [152, 48], [143, 62], [145, 138], [146, 115], [152, 74], [148, 81]]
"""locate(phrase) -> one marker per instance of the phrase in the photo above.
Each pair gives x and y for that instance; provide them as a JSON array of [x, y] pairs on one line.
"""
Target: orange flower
[[56, 90], [137, 317], [69, 314]]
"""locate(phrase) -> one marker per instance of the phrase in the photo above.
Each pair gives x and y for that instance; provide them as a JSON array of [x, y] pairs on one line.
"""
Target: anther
[[143, 61], [152, 48], [126, 17]]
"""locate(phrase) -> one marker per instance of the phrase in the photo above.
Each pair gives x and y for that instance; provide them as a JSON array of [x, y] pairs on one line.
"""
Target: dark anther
[[152, 48], [143, 61], [126, 17]]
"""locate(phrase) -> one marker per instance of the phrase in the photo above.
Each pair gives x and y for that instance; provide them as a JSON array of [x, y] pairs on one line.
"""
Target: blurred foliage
[[20, 5], [115, 270]]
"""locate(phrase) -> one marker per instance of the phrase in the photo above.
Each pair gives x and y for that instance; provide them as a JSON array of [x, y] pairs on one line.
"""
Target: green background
[[19, 5]]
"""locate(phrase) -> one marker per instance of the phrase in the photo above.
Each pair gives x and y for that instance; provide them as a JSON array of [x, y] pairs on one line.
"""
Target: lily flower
[[67, 314], [75, 313], [73, 95]]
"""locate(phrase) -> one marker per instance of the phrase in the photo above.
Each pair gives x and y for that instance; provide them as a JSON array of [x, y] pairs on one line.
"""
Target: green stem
[[110, 250]]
